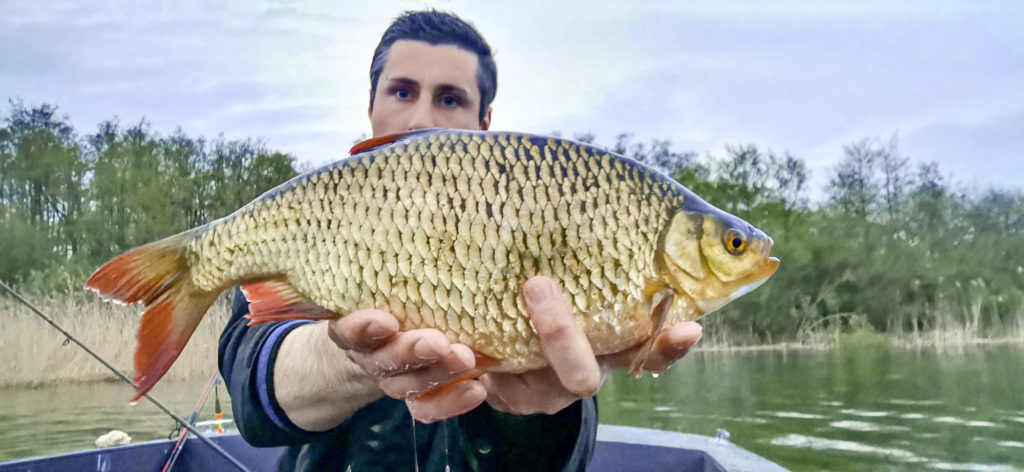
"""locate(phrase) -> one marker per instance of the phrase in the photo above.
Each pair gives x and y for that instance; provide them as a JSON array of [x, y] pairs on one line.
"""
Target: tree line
[[69, 202], [894, 246]]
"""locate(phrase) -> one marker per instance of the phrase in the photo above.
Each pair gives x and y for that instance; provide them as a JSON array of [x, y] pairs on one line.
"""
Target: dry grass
[[835, 332], [34, 353], [955, 338]]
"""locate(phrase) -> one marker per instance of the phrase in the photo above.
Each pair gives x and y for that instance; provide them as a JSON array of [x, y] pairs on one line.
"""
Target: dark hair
[[436, 28]]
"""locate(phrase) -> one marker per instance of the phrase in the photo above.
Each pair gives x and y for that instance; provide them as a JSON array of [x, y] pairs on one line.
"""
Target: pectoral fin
[[662, 302]]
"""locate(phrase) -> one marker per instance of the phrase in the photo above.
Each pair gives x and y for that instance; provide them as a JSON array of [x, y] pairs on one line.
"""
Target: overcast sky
[[799, 77]]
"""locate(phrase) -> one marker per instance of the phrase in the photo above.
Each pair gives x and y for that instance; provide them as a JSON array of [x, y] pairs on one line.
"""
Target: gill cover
[[681, 244]]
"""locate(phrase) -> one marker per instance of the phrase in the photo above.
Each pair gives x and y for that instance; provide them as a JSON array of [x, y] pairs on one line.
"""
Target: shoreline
[[925, 342], [900, 344], [37, 356]]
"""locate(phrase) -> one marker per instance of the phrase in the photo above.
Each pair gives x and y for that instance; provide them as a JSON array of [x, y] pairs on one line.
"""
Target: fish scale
[[441, 228], [418, 226]]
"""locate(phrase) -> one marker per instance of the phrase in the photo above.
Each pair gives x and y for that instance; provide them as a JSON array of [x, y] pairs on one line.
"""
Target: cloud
[[974, 153], [807, 82], [804, 77]]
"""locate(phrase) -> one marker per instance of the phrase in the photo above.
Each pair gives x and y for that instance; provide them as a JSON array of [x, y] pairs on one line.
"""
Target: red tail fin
[[157, 275]]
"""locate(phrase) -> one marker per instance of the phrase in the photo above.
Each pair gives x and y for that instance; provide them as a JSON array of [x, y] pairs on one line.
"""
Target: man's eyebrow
[[452, 89], [402, 81]]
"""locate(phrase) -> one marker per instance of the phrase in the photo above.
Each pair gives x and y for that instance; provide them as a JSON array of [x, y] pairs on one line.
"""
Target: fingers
[[407, 351], [562, 341], [460, 398], [362, 330], [672, 344], [412, 382], [405, 364]]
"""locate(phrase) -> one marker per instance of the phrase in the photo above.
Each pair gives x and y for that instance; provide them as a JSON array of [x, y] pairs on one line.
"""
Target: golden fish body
[[442, 227]]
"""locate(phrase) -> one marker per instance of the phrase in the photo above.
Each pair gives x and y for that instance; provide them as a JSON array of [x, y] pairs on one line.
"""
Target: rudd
[[441, 228]]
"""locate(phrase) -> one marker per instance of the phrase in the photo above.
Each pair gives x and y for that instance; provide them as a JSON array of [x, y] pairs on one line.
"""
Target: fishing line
[[183, 436], [69, 338]]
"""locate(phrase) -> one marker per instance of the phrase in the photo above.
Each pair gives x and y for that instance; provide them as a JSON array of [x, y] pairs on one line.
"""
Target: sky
[[805, 78]]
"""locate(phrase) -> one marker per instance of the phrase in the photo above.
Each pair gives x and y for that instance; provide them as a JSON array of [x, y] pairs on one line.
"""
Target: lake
[[844, 409], [854, 410]]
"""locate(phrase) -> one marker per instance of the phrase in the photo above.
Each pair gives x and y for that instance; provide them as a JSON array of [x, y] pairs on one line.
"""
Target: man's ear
[[369, 108], [486, 122]]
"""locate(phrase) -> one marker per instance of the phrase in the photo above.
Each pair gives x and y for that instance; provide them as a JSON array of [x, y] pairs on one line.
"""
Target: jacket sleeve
[[246, 358]]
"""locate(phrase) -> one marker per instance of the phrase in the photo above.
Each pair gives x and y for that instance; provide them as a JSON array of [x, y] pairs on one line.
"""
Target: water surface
[[864, 409], [846, 410], [64, 418]]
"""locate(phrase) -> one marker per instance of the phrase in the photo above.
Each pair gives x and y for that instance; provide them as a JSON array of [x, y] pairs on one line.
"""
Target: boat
[[619, 449]]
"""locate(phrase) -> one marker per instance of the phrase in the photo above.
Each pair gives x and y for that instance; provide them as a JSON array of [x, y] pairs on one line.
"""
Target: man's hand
[[573, 371], [405, 364]]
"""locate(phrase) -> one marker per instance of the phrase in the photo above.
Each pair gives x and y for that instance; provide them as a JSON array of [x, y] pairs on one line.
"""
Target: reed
[[949, 329], [35, 354]]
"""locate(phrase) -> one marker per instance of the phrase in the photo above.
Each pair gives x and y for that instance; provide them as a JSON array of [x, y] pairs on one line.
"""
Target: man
[[338, 392]]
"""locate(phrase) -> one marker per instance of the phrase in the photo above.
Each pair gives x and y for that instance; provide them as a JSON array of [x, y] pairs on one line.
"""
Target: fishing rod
[[70, 338], [173, 458]]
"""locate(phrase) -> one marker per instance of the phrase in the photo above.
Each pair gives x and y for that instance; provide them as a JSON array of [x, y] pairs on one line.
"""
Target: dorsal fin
[[388, 139]]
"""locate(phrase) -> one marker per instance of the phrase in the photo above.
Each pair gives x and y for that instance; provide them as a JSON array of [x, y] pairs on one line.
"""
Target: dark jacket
[[380, 435]]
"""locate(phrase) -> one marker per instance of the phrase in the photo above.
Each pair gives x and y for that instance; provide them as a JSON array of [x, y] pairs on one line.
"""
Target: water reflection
[[912, 416], [972, 467], [799, 440], [901, 401], [868, 414], [795, 414], [954, 420], [865, 426], [849, 410]]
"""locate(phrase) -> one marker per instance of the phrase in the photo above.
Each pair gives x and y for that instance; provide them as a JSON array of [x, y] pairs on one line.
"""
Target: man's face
[[424, 86]]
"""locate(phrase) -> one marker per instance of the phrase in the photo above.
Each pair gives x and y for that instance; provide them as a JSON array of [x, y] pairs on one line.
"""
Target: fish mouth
[[768, 268], [756, 279]]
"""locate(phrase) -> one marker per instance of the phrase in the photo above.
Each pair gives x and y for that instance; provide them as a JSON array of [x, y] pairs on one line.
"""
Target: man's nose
[[422, 115]]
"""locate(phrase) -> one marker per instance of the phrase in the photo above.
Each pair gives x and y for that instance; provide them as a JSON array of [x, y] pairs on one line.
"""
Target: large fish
[[441, 228]]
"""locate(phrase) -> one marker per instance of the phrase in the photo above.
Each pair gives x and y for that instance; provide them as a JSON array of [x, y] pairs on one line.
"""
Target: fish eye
[[735, 242]]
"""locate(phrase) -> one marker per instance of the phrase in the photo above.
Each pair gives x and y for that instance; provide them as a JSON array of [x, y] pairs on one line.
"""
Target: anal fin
[[483, 364], [277, 299]]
